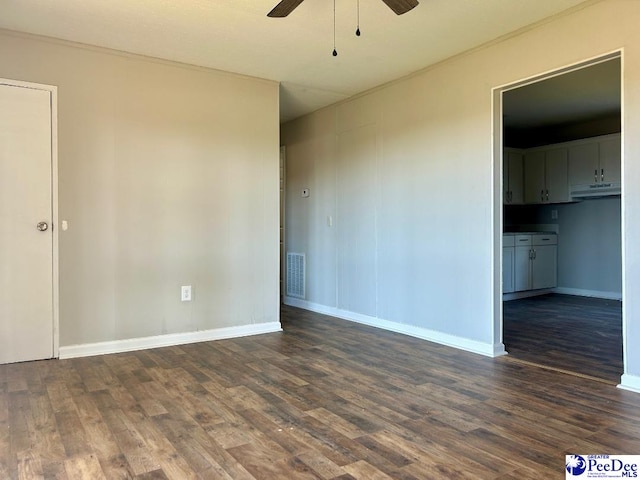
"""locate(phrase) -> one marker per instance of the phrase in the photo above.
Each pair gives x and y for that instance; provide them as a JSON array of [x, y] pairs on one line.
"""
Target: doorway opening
[[283, 179], [560, 219]]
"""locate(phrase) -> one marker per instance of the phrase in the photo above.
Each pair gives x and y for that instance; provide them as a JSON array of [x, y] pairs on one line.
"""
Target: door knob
[[42, 226]]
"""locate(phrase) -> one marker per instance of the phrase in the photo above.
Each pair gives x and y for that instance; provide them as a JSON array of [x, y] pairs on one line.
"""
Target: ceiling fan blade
[[284, 8], [401, 6]]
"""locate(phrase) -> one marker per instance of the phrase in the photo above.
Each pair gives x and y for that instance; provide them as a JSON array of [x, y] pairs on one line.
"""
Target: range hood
[[594, 190]]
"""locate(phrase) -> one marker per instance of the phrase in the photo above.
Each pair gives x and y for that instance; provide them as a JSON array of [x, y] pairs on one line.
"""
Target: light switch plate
[[305, 192]]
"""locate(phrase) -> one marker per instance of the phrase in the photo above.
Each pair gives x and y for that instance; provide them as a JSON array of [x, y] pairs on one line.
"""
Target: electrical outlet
[[554, 214], [185, 293]]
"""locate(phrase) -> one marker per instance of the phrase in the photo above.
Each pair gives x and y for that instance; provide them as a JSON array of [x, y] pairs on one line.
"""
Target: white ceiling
[[237, 36], [585, 94]]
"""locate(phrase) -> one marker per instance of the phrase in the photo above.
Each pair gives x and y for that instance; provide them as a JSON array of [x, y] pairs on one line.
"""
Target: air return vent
[[295, 274]]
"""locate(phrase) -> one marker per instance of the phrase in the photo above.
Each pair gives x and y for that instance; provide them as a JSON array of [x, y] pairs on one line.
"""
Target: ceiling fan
[[285, 7]]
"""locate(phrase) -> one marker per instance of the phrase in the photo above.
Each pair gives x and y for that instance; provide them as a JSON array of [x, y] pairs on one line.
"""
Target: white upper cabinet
[[513, 177], [610, 159], [583, 163], [551, 173], [546, 176], [556, 176], [595, 161], [534, 176]]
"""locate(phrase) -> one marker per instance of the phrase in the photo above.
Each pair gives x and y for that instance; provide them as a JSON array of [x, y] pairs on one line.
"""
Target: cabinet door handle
[[547, 195], [602, 174], [542, 195], [595, 175], [534, 254]]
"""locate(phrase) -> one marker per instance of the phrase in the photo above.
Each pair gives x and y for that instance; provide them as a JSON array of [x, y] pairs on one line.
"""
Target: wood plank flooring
[[325, 399], [578, 334]]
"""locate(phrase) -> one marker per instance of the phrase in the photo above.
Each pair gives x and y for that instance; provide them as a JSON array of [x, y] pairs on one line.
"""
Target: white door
[[26, 244]]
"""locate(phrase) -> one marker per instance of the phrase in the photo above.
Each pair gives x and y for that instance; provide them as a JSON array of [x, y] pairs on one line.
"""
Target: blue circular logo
[[575, 465]]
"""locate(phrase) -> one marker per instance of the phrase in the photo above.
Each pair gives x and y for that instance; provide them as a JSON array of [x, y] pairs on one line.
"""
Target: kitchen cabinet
[[508, 265], [535, 261], [595, 161], [611, 159], [522, 263], [584, 163], [513, 177], [544, 265], [551, 173], [546, 175]]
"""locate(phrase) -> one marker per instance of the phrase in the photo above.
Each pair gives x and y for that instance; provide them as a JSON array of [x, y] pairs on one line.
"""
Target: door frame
[[55, 307], [498, 220], [283, 222]]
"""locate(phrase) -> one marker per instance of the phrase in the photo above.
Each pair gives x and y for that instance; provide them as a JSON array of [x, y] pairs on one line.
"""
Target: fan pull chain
[[358, 27], [335, 52]]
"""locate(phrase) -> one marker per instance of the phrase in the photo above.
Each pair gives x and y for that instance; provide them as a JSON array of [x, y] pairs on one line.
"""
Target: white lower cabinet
[[508, 285], [522, 263], [533, 262], [544, 266]]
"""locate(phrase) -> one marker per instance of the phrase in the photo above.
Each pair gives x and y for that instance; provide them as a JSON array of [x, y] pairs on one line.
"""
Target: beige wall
[[435, 188], [168, 176]]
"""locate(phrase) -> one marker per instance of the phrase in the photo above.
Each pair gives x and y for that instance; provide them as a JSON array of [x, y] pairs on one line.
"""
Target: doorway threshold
[[558, 370]]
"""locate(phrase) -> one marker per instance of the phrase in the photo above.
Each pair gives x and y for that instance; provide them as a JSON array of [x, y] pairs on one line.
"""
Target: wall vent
[[296, 275]]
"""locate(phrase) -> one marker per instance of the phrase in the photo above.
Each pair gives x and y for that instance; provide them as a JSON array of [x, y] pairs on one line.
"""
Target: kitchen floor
[[575, 334]]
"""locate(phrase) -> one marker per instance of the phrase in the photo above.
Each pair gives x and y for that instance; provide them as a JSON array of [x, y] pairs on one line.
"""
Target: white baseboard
[[142, 343], [580, 292], [498, 350], [525, 294], [630, 382], [461, 343], [588, 293]]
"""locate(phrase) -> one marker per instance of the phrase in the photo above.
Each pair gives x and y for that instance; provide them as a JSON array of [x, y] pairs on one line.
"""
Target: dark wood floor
[[325, 399], [577, 334]]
